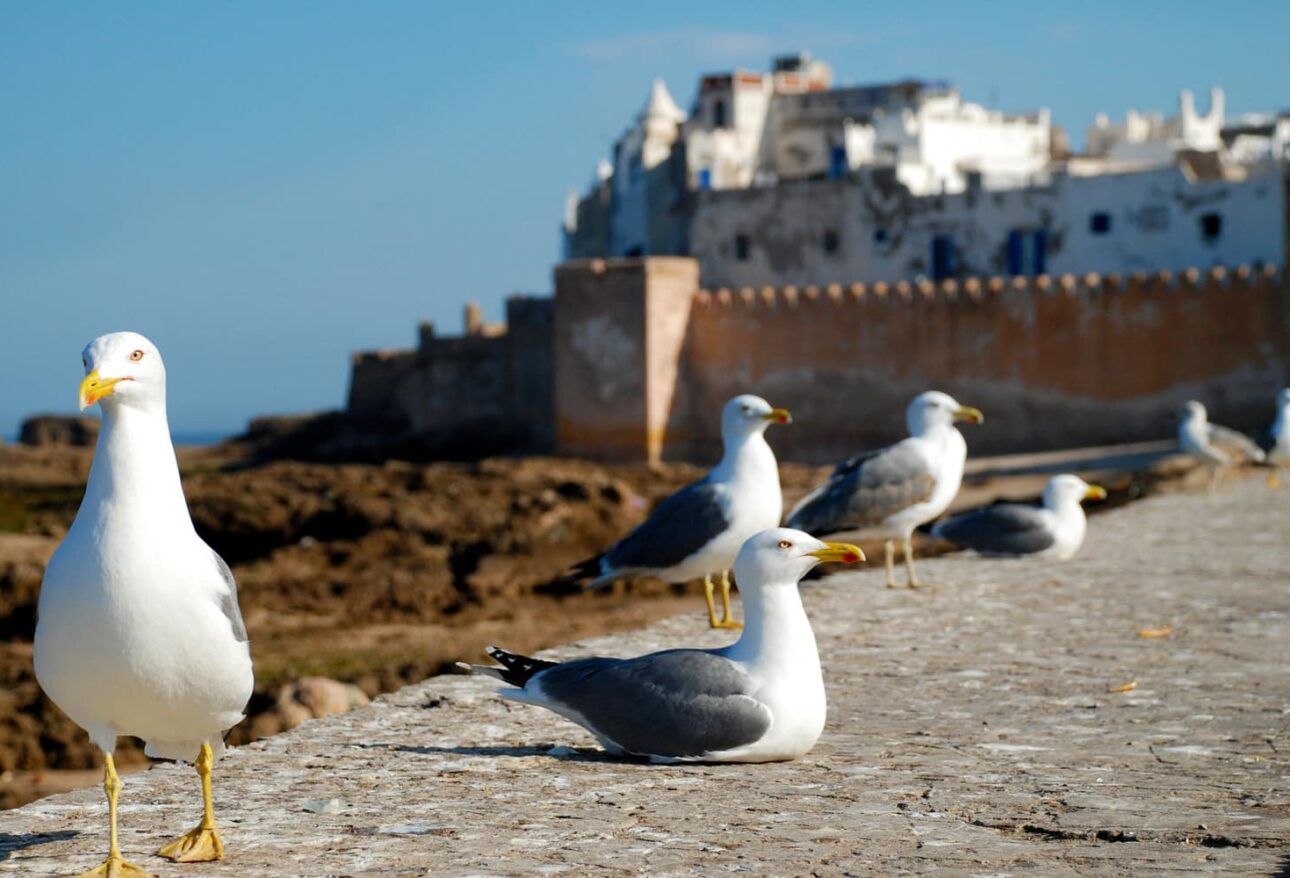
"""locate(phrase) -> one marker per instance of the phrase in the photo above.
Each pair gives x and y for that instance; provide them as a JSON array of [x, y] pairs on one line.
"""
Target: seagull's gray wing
[[1237, 446], [228, 599], [866, 490], [683, 703], [1003, 529], [680, 526]]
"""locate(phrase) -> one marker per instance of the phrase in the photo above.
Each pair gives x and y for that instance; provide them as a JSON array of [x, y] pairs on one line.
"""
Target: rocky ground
[[1121, 714], [370, 575]]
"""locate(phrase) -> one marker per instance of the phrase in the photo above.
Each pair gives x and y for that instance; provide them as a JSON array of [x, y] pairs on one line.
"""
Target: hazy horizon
[[264, 190]]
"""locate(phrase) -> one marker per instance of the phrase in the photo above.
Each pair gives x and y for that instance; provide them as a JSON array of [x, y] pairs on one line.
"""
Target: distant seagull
[[1276, 442], [697, 531], [893, 490], [1053, 530], [1216, 447], [139, 631], [758, 700]]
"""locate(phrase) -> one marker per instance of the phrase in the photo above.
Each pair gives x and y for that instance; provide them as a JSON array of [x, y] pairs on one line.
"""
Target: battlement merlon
[[1214, 279]]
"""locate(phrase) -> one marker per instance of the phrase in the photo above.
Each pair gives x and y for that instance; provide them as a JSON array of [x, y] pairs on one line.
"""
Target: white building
[[780, 177], [1148, 140]]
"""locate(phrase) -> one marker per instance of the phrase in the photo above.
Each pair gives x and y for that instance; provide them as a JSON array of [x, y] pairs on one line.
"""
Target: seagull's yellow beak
[[1095, 492], [95, 387], [969, 414], [841, 553], [779, 416]]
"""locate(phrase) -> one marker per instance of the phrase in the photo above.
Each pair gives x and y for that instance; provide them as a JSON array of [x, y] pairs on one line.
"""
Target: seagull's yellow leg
[[909, 562], [203, 843], [890, 548], [709, 592], [726, 621], [1274, 480], [114, 866]]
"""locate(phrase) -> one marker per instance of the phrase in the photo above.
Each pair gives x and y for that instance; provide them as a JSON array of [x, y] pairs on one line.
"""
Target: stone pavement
[[976, 727]]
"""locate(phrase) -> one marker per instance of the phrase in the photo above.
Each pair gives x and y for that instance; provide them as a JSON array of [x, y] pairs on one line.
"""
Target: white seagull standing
[[759, 700], [893, 490], [697, 531], [139, 630], [1214, 446], [1276, 444], [1054, 530]]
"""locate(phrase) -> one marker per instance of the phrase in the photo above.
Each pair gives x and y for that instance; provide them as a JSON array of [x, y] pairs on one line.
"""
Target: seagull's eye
[[136, 356], [747, 410], [785, 544]]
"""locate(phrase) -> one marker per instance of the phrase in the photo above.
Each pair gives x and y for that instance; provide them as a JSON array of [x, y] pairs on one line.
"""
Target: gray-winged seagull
[[893, 490], [1055, 529], [697, 531], [1276, 440], [759, 700], [1214, 446]]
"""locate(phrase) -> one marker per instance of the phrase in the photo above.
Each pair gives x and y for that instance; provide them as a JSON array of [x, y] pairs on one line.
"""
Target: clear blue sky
[[264, 188]]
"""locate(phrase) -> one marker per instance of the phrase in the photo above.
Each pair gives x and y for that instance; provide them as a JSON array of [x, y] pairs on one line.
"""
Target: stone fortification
[[631, 360]]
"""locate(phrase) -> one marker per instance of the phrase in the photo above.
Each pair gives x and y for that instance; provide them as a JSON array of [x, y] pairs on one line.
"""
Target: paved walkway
[[974, 728]]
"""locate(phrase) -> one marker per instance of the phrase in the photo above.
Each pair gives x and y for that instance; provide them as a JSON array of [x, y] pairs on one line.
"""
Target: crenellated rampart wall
[[1054, 361]]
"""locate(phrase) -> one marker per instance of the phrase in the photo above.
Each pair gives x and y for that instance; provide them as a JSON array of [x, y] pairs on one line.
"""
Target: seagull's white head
[[123, 368], [1067, 488], [747, 414], [935, 409], [1194, 411], [782, 556]]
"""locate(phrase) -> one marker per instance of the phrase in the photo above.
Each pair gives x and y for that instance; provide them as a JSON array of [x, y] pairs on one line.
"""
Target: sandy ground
[[1010, 720]]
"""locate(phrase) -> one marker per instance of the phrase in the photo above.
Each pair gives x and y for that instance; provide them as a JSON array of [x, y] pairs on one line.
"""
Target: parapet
[[975, 289]]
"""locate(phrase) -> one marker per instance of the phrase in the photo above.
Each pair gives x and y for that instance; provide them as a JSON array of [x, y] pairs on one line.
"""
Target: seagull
[[1276, 441], [139, 630], [895, 489], [1054, 530], [1214, 446], [698, 530], [760, 699]]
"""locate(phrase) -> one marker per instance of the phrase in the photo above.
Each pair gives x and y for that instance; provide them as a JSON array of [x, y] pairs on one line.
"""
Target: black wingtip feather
[[517, 669], [588, 569]]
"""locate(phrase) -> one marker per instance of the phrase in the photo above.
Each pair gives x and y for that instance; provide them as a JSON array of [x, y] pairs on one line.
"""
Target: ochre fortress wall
[[644, 359]]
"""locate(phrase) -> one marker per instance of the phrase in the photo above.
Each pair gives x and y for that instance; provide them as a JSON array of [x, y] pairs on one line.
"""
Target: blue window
[[1026, 252], [705, 179], [837, 162], [942, 257], [1099, 223]]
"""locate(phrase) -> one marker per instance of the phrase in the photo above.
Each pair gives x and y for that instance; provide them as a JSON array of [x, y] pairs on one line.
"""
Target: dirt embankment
[[372, 574]]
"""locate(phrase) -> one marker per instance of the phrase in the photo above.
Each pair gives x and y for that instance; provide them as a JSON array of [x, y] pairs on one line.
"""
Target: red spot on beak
[[850, 558]]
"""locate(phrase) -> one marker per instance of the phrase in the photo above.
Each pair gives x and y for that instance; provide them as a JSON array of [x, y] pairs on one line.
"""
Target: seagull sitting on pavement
[[1054, 530], [760, 699]]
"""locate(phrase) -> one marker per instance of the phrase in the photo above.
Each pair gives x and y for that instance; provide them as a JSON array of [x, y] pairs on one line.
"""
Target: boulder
[[313, 697], [46, 430]]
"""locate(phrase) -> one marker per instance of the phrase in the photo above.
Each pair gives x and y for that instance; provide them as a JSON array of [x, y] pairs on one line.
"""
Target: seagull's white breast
[[131, 638], [946, 452]]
